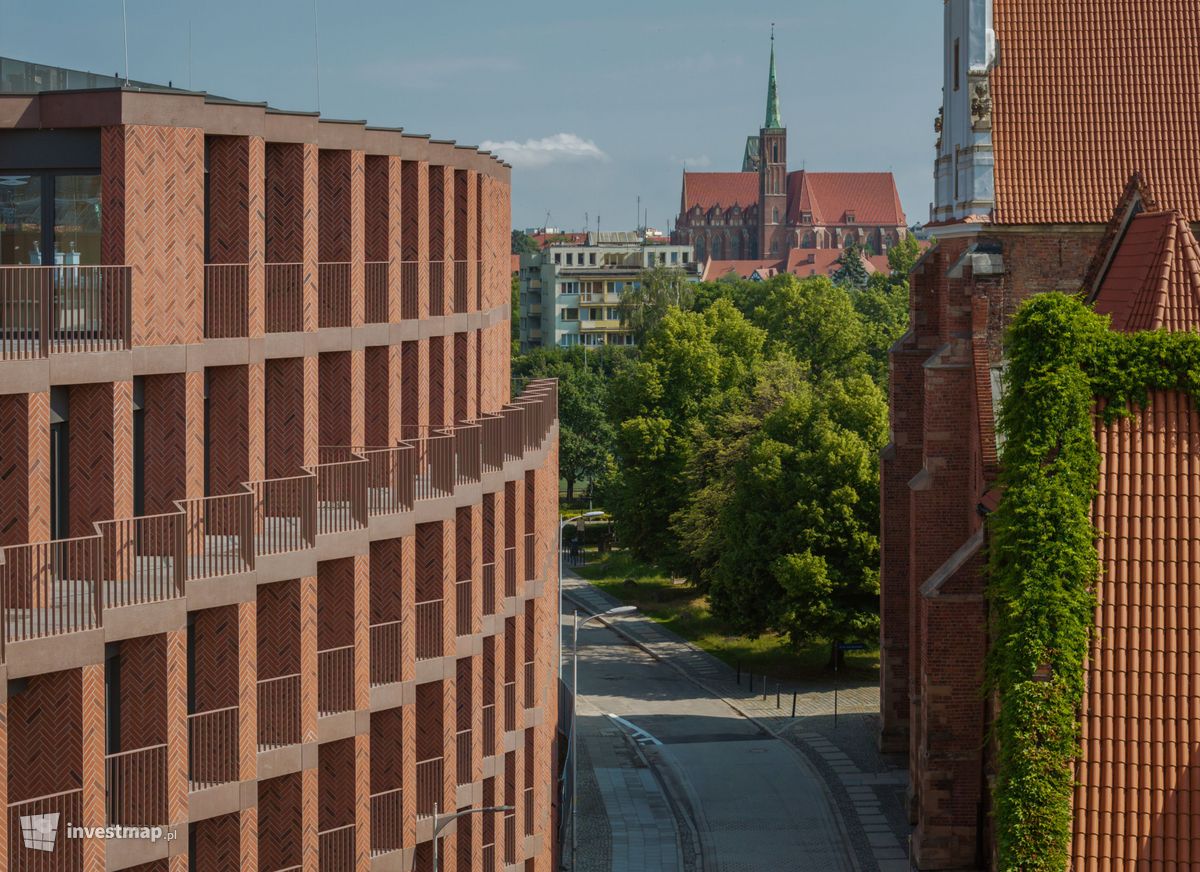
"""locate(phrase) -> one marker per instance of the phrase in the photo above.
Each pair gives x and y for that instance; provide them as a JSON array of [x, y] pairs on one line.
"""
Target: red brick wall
[[24, 468], [335, 784], [215, 655], [100, 438], [280, 808], [278, 620], [335, 603], [218, 844], [152, 191], [45, 736], [173, 439]]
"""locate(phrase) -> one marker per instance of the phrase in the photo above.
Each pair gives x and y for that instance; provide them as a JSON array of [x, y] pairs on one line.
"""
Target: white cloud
[[534, 153]]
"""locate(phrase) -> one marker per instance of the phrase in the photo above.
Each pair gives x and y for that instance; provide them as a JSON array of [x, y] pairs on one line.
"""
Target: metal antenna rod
[[189, 54], [125, 31]]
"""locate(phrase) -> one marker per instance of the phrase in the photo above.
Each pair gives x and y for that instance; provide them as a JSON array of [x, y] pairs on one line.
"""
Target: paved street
[[683, 781]]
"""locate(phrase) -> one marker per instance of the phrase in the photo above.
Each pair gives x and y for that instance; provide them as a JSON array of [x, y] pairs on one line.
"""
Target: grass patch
[[685, 611]]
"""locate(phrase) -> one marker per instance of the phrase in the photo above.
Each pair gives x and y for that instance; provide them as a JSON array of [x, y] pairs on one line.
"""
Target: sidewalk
[[869, 789]]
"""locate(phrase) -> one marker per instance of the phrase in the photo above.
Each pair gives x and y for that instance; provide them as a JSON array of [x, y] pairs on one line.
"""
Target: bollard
[[776, 694], [764, 688], [793, 703]]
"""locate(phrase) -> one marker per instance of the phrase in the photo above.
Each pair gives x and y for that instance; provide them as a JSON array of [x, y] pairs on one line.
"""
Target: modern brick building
[[278, 539], [1051, 107]]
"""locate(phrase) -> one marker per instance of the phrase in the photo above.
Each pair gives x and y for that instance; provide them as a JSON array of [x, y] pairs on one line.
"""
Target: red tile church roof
[[870, 197], [719, 189], [1086, 93]]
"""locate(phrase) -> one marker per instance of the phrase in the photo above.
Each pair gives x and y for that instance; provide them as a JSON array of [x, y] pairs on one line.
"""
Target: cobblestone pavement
[[868, 788]]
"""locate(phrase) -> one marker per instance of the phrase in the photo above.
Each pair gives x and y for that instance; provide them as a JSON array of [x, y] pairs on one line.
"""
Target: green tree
[[692, 367], [796, 534], [523, 243], [515, 309], [883, 308], [852, 268], [656, 292], [903, 256], [815, 320], [585, 435]]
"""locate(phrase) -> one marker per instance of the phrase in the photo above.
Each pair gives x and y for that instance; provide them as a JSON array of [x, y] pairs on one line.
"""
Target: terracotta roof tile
[[719, 189], [1153, 279], [871, 198], [1086, 93]]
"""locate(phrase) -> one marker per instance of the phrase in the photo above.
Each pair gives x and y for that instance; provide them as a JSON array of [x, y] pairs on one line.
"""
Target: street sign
[[851, 646]]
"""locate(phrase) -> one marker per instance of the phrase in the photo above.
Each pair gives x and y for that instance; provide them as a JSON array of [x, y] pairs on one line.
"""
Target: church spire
[[773, 122]]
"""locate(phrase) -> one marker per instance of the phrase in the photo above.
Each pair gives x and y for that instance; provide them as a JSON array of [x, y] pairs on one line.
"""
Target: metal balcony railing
[[336, 848], [510, 837], [333, 294], [283, 295], [437, 287], [510, 706], [410, 289], [530, 685], [489, 730], [136, 783], [428, 616], [375, 281], [64, 586], [489, 589], [48, 310], [529, 818], [462, 757], [213, 747], [37, 848], [226, 300], [279, 711], [335, 680], [429, 786], [461, 286], [462, 607], [387, 821], [385, 653]]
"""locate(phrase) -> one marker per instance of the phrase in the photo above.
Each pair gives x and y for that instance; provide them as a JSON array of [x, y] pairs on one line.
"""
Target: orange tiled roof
[[743, 269], [1136, 803], [719, 189], [871, 198], [1153, 280], [1086, 93]]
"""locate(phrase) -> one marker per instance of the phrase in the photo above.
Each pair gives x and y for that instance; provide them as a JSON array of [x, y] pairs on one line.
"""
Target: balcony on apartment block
[[65, 586]]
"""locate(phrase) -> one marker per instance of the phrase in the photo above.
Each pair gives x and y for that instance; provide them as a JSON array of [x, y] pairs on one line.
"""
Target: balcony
[[335, 680], [387, 822], [462, 607], [489, 729], [510, 571], [462, 757], [336, 848], [213, 748], [48, 310], [283, 293], [530, 685], [489, 589], [510, 706], [529, 816], [429, 629], [429, 786], [279, 712], [226, 300], [385, 653], [375, 281], [67, 854], [49, 589], [137, 787], [461, 286], [437, 287], [410, 282], [333, 294]]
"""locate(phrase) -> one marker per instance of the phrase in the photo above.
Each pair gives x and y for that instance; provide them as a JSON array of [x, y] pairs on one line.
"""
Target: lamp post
[[619, 610], [561, 526], [440, 822]]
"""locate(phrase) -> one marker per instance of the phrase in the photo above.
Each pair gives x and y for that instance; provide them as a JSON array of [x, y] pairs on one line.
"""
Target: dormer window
[[850, 219]]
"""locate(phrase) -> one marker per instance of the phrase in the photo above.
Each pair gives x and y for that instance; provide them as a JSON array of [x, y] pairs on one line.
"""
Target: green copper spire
[[773, 122]]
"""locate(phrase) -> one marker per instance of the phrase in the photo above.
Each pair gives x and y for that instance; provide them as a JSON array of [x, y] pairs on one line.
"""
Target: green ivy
[[1064, 363]]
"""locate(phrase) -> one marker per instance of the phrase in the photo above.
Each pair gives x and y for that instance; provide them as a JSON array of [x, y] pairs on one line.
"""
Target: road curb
[[835, 807]]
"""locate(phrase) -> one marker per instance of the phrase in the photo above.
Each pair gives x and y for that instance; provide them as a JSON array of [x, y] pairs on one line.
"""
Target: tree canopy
[[646, 301]]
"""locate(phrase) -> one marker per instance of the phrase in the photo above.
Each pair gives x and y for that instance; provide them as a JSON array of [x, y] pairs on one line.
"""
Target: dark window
[[49, 218], [956, 65]]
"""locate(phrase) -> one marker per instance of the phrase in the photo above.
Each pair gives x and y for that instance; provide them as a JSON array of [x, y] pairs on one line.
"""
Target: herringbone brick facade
[[245, 661]]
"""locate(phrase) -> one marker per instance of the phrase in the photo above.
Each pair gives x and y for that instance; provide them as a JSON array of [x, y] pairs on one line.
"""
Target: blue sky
[[595, 103]]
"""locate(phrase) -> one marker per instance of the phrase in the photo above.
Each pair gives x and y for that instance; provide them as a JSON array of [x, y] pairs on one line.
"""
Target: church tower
[[772, 175]]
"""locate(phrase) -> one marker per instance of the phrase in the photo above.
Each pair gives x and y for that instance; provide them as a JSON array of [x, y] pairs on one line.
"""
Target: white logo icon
[[39, 831]]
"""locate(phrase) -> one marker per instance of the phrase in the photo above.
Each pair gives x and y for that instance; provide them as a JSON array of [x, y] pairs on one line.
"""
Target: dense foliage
[[1062, 358], [657, 291], [585, 447], [523, 243]]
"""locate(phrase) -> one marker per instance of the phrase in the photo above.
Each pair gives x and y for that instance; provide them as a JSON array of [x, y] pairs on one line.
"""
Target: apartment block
[[278, 565], [571, 293]]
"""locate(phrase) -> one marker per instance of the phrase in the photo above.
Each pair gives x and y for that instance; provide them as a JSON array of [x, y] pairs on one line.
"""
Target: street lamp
[[611, 613], [440, 822], [561, 526]]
